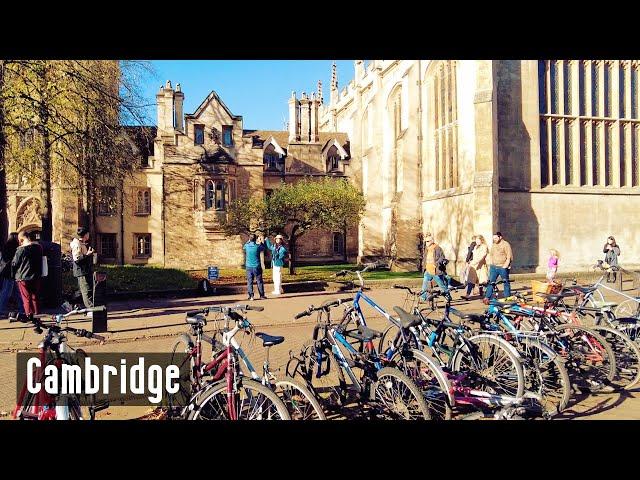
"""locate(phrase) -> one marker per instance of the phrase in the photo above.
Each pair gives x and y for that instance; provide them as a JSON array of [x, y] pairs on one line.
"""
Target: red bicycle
[[54, 350], [221, 391]]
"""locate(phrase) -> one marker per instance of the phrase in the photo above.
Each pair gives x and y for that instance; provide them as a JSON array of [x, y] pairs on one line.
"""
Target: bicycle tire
[[408, 405], [430, 378], [513, 382], [628, 308], [589, 376], [630, 326], [213, 405], [627, 356], [546, 375], [330, 388], [300, 402], [177, 401]]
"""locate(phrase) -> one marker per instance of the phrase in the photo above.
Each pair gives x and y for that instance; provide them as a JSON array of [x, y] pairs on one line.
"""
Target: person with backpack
[[9, 287], [82, 255], [278, 256], [252, 250], [435, 264], [26, 269]]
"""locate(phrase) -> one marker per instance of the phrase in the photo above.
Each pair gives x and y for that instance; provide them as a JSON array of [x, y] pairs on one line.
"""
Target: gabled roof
[[276, 146], [211, 97], [282, 137], [343, 153]]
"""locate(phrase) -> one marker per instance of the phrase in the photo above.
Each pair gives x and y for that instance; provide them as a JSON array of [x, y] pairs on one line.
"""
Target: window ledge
[[137, 214]]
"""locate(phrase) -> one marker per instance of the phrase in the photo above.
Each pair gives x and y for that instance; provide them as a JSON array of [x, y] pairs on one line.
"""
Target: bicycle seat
[[364, 334], [269, 340], [197, 320], [407, 320], [581, 289], [629, 320], [472, 317]]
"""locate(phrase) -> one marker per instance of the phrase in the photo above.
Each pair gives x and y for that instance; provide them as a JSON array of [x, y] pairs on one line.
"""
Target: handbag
[[45, 266]]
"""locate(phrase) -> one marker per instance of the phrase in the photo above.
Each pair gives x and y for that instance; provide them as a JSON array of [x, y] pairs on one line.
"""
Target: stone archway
[[29, 215]]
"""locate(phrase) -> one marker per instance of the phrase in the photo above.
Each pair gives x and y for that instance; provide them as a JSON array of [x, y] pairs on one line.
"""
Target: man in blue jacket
[[278, 254], [252, 264]]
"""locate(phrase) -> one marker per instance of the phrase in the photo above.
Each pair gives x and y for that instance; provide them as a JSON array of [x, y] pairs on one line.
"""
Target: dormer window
[[272, 159], [198, 134], [333, 160], [227, 135]]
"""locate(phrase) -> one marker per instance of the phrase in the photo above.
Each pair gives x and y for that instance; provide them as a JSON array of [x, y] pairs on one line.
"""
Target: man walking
[[501, 258], [434, 265], [278, 254], [82, 255], [252, 251]]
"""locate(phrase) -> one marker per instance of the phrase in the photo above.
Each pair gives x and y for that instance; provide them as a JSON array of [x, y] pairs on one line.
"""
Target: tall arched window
[[215, 195], [395, 111], [444, 125]]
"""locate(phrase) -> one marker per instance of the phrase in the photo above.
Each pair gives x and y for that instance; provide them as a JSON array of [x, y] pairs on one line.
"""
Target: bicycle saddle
[[364, 334], [197, 320], [554, 297], [581, 289], [407, 320], [269, 340], [472, 317]]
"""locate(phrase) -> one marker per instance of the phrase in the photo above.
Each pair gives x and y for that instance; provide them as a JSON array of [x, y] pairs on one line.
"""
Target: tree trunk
[[292, 254], [45, 191], [4, 218]]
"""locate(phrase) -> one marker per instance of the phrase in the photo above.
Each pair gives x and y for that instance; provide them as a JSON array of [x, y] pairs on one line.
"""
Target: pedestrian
[[435, 264], [26, 269], [8, 286], [278, 255], [465, 273], [612, 252], [552, 265], [83, 255], [501, 258], [478, 272], [252, 250]]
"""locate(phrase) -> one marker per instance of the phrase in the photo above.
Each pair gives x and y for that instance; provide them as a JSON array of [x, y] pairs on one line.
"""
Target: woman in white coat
[[478, 273]]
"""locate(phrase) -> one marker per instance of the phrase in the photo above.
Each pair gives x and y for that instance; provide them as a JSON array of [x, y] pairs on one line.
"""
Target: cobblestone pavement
[[151, 326]]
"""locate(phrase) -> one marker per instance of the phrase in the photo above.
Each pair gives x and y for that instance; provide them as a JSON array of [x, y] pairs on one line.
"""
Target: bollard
[[99, 323]]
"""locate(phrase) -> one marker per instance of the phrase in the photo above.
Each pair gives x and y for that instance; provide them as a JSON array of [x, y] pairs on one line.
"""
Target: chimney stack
[[294, 117]]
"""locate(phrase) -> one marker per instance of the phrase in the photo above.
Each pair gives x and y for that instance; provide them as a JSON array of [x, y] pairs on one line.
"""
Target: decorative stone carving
[[483, 96], [30, 213]]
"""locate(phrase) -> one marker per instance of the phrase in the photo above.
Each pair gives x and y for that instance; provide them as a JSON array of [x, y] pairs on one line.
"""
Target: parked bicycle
[[187, 352], [329, 359], [54, 350]]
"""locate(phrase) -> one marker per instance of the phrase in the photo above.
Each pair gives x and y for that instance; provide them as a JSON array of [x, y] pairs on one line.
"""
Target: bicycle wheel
[[253, 401], [389, 335], [491, 365], [81, 406], [629, 326], [320, 371], [429, 378], [628, 308], [399, 397], [300, 402], [182, 358], [545, 375], [590, 360], [627, 356]]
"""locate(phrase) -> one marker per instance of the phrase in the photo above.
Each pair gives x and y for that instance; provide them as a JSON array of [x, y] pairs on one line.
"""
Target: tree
[[65, 126], [294, 209]]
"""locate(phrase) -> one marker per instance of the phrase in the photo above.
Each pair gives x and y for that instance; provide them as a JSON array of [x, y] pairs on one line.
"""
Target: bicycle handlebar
[[224, 309], [325, 306], [80, 332]]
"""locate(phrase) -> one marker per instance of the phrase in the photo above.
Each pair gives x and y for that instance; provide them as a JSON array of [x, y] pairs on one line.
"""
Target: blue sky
[[256, 89]]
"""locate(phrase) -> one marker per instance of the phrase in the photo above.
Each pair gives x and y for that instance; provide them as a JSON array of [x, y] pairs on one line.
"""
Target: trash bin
[[99, 323], [51, 289]]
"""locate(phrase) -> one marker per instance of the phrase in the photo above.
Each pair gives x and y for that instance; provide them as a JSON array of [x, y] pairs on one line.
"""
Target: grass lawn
[[148, 278]]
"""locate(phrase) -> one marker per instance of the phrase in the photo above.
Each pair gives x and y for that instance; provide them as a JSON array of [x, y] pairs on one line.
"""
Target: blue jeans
[[7, 290], [439, 279], [494, 273], [254, 273]]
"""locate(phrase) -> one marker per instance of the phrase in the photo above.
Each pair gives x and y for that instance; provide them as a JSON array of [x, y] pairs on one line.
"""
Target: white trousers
[[277, 280]]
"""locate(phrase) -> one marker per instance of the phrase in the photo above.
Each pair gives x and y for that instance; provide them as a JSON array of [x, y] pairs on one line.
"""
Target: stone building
[[544, 151], [193, 166]]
